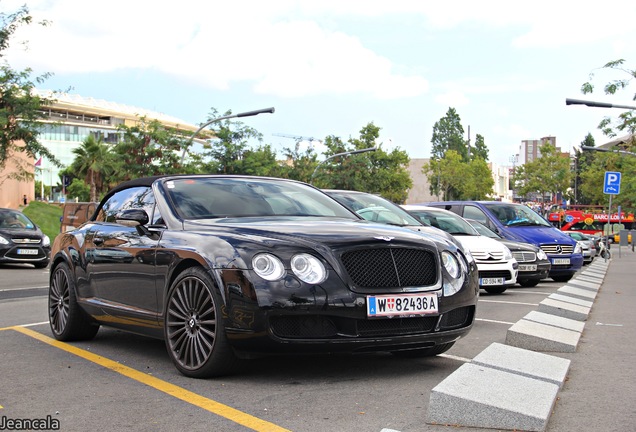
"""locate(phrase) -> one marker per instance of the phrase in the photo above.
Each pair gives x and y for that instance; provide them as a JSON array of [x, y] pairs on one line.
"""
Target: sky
[[331, 67]]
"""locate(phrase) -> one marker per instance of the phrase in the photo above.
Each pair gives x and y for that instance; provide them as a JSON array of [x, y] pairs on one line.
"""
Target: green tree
[[229, 151], [549, 174], [582, 161], [379, 171], [448, 134], [148, 148], [446, 175], [479, 151], [95, 162], [626, 121], [20, 108], [299, 165], [478, 183], [78, 190]]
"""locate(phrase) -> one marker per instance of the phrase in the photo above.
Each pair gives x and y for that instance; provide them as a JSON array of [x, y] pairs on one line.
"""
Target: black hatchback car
[[21, 241], [226, 267]]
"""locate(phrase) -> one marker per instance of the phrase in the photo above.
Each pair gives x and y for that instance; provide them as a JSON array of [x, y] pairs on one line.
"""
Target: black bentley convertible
[[227, 267]]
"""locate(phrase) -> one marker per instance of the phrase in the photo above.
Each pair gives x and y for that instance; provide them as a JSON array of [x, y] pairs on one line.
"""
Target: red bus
[[591, 223]]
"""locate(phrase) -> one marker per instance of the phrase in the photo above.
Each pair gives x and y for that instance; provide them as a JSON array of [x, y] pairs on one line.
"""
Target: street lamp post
[[244, 114], [569, 101], [347, 153]]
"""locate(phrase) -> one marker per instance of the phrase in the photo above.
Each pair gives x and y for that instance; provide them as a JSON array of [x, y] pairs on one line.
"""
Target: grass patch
[[46, 216]]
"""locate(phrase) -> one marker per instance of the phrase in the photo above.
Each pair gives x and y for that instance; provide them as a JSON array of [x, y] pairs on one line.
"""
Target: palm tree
[[93, 160]]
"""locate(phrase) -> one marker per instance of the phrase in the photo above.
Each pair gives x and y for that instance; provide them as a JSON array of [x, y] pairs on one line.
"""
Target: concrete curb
[[515, 386]]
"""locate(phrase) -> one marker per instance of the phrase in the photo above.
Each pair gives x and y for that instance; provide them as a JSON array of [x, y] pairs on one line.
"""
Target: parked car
[[21, 240], [229, 267], [588, 246], [534, 264], [374, 208], [519, 222], [496, 266]]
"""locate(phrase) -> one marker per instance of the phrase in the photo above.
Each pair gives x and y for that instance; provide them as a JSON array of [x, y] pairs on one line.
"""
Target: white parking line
[[452, 357], [531, 292], [508, 302], [494, 321]]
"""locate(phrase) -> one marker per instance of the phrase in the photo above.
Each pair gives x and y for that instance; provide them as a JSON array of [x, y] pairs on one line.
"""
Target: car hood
[[334, 233], [518, 246], [481, 243], [537, 235], [31, 233]]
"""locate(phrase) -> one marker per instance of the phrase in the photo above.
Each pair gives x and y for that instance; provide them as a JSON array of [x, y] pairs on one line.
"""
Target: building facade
[[67, 122]]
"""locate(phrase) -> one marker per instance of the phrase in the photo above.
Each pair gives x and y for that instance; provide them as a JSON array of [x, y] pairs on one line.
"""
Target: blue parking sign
[[612, 183]]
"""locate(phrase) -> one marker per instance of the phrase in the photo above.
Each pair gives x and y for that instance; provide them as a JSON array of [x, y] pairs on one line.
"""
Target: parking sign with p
[[612, 183]]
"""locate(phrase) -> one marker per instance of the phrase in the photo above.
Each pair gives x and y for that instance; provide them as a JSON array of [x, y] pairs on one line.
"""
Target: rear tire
[[495, 290], [528, 283], [67, 320], [194, 327], [424, 352]]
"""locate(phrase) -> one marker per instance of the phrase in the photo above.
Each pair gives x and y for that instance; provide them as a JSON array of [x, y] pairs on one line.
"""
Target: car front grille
[[555, 249], [390, 267], [495, 274], [29, 241], [483, 256], [330, 327], [522, 257]]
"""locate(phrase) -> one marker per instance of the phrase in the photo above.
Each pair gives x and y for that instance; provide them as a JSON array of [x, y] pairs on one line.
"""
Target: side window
[[132, 198], [473, 212]]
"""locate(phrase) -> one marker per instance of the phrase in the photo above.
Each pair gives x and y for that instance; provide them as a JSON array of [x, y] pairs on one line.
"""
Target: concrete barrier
[[540, 337]]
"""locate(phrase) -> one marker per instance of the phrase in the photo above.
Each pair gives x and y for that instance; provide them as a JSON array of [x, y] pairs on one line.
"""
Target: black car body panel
[[123, 271]]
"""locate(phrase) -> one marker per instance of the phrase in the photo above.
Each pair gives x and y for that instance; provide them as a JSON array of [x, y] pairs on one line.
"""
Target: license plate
[[401, 305], [561, 261], [527, 267], [491, 281], [27, 251]]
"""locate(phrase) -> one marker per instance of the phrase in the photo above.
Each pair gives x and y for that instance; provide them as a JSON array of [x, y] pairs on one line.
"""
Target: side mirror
[[132, 217]]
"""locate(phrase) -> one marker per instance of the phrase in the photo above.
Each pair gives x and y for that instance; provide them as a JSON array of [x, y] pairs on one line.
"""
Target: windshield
[[374, 208], [14, 220], [209, 198], [516, 215], [444, 220], [483, 229]]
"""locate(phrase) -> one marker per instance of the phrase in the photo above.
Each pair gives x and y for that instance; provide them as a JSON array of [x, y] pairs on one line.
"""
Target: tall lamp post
[[347, 153], [243, 114], [589, 148]]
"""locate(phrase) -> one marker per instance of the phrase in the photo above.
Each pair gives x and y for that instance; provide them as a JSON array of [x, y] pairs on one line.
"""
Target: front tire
[[194, 327], [67, 320]]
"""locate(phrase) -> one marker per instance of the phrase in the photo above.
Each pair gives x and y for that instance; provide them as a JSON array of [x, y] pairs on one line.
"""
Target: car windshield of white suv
[[516, 215]]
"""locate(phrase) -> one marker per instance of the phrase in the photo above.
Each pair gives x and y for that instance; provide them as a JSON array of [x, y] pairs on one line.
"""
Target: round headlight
[[541, 255], [450, 264], [268, 267], [308, 268]]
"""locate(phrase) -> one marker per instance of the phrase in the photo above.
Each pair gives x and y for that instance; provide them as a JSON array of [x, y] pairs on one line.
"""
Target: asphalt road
[[120, 381]]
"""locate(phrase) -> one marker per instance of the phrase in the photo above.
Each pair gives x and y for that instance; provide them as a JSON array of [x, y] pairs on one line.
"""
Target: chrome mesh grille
[[522, 257], [390, 267]]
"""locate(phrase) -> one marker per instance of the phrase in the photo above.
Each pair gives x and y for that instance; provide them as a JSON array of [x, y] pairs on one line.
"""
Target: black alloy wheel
[[68, 322], [194, 329]]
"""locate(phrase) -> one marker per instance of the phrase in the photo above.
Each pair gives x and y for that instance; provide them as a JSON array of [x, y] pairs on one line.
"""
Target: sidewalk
[[600, 393]]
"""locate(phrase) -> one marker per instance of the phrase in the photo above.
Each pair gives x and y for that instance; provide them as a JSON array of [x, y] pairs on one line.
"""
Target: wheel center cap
[[191, 323]]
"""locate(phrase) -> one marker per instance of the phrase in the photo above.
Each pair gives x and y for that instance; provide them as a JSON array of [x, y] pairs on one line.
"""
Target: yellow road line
[[214, 407]]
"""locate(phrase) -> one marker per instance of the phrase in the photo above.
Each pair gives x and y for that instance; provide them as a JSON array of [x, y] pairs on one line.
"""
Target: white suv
[[497, 268]]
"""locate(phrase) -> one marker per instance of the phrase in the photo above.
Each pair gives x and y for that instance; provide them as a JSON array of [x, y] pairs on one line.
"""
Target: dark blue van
[[520, 223]]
